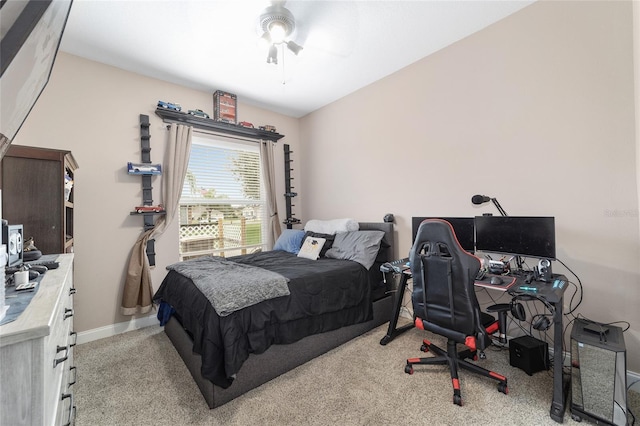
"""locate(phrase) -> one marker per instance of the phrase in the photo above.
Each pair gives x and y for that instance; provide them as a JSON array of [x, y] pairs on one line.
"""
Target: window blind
[[222, 205]]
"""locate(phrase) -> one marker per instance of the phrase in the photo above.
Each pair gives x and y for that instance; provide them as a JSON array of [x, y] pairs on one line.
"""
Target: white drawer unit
[[36, 355]]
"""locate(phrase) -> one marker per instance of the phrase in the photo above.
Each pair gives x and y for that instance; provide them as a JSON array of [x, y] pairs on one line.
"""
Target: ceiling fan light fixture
[[277, 31], [272, 58], [294, 47], [277, 15], [276, 26]]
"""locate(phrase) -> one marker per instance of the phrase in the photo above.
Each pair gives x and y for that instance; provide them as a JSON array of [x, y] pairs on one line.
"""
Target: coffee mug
[[21, 277]]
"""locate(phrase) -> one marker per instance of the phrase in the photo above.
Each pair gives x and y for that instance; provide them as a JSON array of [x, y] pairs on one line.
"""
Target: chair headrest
[[438, 231]]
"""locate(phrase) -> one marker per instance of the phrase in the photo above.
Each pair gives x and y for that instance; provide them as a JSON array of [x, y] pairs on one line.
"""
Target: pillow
[[290, 240], [359, 246], [331, 226], [327, 237], [311, 247]]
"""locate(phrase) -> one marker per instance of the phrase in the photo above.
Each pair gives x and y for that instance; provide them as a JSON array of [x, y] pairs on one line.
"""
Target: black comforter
[[326, 294]]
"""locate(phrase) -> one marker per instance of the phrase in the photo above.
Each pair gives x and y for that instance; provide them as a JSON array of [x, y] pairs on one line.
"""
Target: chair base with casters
[[457, 359]]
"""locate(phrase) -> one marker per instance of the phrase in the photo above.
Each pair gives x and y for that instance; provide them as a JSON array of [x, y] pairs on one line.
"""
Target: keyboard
[[397, 266]]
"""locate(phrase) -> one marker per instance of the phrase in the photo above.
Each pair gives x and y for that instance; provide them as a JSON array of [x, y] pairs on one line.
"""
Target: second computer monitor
[[462, 226], [516, 235]]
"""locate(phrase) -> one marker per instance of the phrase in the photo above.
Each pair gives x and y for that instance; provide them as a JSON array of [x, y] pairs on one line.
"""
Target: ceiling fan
[[277, 27]]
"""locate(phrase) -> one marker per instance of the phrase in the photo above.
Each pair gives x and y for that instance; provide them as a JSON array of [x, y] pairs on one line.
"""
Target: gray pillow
[[359, 246]]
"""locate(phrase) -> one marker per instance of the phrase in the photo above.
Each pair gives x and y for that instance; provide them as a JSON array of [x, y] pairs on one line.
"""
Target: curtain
[[269, 177], [175, 169], [138, 289]]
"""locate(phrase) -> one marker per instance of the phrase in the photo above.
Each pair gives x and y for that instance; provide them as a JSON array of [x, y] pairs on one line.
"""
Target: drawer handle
[[72, 291], [64, 358], [72, 409], [68, 313], [75, 375], [72, 416], [75, 340]]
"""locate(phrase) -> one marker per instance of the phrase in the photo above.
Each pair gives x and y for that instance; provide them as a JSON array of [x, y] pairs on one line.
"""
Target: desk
[[551, 292]]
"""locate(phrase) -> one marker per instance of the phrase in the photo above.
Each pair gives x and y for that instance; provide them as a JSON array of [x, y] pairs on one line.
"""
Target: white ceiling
[[213, 45]]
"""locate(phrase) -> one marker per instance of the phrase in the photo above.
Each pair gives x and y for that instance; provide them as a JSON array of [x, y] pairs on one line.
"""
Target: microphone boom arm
[[499, 207], [495, 202], [479, 199]]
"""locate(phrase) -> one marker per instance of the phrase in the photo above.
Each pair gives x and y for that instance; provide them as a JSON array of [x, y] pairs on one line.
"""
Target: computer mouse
[[496, 281]]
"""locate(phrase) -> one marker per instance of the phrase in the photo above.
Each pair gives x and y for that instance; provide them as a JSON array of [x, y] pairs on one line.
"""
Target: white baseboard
[[633, 381], [112, 330]]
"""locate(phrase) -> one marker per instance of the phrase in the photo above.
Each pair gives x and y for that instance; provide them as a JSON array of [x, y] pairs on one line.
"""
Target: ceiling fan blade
[[318, 24]]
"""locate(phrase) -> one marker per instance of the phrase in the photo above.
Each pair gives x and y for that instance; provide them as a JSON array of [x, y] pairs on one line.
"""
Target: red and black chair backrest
[[443, 284]]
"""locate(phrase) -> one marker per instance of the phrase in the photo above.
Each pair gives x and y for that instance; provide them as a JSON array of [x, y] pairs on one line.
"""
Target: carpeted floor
[[137, 378]]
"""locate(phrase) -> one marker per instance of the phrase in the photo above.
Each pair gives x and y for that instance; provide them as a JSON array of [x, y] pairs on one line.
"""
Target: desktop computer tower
[[598, 373]]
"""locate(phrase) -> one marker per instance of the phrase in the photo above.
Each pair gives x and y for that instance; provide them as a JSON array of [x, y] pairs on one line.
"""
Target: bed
[[331, 301]]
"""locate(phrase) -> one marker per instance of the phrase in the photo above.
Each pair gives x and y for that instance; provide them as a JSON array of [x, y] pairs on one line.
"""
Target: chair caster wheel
[[482, 355], [424, 348], [457, 399], [502, 387], [408, 369]]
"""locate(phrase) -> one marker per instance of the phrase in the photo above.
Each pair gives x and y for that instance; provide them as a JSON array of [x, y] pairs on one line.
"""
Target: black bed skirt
[[277, 360]]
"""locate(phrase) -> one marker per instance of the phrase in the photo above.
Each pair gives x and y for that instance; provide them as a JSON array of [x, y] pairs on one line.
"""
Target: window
[[222, 206]]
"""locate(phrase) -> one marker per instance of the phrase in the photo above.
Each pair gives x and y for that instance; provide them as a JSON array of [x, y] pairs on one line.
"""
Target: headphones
[[540, 322]]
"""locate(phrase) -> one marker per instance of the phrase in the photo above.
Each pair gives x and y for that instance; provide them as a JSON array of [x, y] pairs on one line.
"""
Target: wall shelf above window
[[216, 126]]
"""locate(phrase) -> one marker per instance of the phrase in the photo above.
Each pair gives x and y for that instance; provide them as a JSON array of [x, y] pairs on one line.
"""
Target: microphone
[[479, 199]]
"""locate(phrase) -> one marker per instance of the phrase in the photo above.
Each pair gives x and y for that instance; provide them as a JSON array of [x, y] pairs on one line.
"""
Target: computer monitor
[[462, 226], [516, 235]]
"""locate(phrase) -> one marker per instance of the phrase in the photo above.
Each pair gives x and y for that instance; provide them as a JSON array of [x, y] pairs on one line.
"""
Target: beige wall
[[536, 110], [93, 110]]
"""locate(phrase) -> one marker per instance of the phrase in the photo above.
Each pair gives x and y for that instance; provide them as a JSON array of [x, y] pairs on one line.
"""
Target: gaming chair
[[445, 303]]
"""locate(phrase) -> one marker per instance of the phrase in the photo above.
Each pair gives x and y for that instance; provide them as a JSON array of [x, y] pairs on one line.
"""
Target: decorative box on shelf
[[144, 169], [225, 107]]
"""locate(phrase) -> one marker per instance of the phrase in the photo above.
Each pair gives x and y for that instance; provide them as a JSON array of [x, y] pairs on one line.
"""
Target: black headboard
[[384, 255], [380, 287]]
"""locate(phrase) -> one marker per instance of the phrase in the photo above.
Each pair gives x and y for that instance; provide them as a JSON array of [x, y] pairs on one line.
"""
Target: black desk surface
[[551, 291]]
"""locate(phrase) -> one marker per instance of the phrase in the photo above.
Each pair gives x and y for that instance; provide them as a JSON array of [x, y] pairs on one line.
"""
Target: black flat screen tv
[[525, 236], [31, 31], [462, 226]]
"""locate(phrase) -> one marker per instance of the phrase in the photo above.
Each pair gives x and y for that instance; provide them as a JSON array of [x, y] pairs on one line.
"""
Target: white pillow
[[311, 247], [331, 226]]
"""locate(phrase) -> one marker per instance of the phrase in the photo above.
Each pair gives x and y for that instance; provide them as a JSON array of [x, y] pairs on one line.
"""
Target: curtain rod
[[221, 134]]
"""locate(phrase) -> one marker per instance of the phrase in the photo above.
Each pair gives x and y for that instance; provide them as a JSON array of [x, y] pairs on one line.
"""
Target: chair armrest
[[500, 307]]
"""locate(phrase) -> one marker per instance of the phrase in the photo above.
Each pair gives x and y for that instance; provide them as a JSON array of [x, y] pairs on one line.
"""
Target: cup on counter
[[21, 277]]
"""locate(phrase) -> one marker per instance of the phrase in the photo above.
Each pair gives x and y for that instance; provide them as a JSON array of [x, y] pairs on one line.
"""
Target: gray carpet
[[137, 378]]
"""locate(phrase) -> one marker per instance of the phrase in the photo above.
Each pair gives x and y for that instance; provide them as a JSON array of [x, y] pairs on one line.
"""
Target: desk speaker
[[12, 238], [598, 373]]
